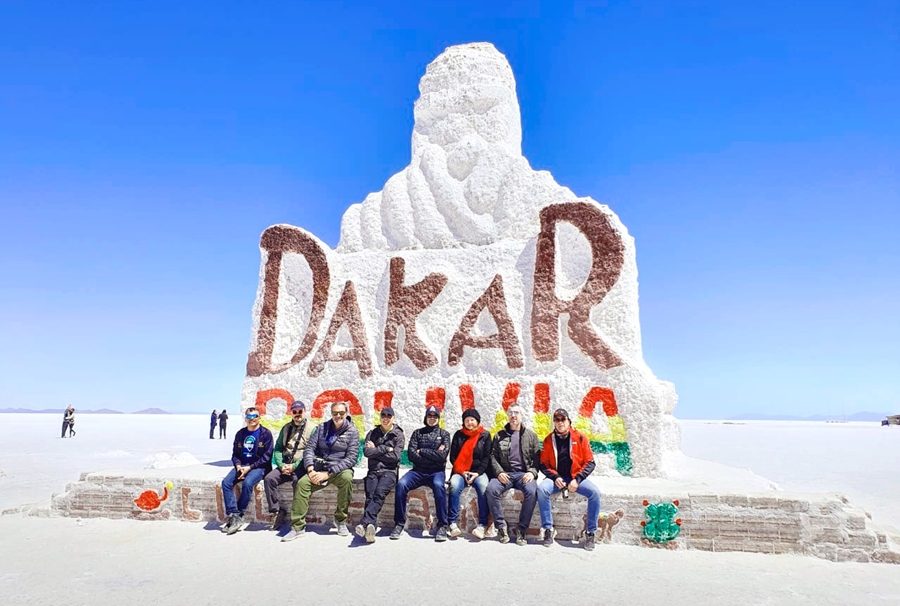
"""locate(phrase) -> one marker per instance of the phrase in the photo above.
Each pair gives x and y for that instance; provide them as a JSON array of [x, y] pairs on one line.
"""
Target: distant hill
[[858, 416], [152, 411]]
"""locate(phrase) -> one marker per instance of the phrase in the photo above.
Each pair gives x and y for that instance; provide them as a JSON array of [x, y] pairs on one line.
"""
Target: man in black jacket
[[428, 450], [329, 458], [382, 447]]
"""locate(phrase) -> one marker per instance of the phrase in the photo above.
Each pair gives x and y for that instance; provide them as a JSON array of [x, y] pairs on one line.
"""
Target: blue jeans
[[457, 483], [586, 489], [250, 481], [495, 490], [410, 481]]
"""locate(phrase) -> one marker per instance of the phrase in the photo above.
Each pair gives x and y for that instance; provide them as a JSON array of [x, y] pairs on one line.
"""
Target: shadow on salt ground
[[224, 463]]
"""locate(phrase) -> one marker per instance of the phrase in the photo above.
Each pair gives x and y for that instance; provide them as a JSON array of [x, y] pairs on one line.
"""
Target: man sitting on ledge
[[251, 456], [567, 461], [329, 458]]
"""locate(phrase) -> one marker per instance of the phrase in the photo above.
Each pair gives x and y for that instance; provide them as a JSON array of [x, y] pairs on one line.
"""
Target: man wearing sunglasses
[[251, 456], [328, 458], [382, 448], [567, 461], [287, 461], [428, 450]]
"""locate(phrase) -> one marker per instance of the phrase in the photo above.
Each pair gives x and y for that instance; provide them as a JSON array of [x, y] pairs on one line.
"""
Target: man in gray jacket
[[329, 458], [382, 447], [515, 452]]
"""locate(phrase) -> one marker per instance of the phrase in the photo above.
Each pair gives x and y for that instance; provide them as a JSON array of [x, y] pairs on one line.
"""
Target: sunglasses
[[432, 416], [386, 415], [514, 413], [252, 416], [299, 411], [559, 419], [339, 414]]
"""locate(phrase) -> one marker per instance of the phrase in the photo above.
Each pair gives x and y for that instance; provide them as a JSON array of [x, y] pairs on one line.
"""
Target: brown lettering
[[347, 312], [608, 254], [505, 338], [405, 303]]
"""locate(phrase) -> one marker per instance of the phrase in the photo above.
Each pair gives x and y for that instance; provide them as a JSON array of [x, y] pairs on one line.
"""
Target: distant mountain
[[152, 411], [859, 416]]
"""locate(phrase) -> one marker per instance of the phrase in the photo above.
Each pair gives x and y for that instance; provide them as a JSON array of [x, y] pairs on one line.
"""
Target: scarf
[[463, 461]]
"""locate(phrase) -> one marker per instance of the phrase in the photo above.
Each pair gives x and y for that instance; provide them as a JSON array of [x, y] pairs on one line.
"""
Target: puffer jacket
[[424, 449], [529, 447], [380, 458], [343, 452], [481, 455]]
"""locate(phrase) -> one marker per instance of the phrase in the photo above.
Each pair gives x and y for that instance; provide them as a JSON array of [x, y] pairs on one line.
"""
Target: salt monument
[[469, 280]]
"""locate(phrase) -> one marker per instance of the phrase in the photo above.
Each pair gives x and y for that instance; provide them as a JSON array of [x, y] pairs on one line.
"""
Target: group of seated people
[[313, 458]]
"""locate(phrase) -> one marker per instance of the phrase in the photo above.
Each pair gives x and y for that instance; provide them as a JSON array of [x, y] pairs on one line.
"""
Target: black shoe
[[281, 516], [549, 535], [397, 532], [521, 538], [441, 535], [502, 534], [590, 540]]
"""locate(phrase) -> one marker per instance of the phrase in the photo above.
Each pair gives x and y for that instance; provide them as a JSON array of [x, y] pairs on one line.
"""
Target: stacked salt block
[[469, 280]]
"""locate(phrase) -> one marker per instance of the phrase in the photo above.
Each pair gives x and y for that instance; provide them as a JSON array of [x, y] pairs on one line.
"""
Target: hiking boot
[[342, 529], [455, 530], [360, 531], [293, 534], [370, 533], [441, 535], [281, 516], [478, 533], [549, 535], [590, 539], [229, 521], [521, 538], [502, 534], [397, 532], [236, 525]]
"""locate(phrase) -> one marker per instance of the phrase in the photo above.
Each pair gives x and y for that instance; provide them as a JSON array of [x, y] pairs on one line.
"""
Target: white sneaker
[[478, 533], [455, 530]]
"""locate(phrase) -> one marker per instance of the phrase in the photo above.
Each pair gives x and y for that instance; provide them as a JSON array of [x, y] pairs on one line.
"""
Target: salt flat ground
[[67, 561]]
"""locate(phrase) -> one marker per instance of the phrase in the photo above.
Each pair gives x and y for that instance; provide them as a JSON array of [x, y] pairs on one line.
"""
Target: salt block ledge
[[722, 511]]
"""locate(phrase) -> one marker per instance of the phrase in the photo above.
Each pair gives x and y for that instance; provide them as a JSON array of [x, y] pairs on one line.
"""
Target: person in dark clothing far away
[[287, 461], [567, 461], [329, 457], [223, 422], [67, 413], [212, 424], [70, 416], [251, 456], [382, 448], [428, 450], [514, 460], [470, 456]]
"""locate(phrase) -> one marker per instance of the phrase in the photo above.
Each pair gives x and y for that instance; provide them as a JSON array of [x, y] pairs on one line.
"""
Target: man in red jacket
[[567, 461]]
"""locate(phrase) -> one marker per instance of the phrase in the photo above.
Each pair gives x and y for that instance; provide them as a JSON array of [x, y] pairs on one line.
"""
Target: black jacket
[[481, 456], [423, 451], [380, 458], [343, 452], [529, 449]]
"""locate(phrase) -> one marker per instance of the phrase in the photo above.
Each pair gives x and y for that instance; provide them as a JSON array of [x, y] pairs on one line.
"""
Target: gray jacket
[[341, 454], [529, 446]]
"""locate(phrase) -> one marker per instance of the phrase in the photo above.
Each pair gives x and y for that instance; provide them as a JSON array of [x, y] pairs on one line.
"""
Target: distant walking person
[[212, 424], [65, 423], [70, 417], [223, 421]]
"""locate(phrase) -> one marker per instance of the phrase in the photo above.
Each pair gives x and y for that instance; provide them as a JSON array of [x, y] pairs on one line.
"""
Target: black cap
[[298, 405], [387, 410], [560, 412], [471, 412]]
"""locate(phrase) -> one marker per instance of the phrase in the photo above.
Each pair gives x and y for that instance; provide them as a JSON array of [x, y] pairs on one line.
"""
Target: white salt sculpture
[[469, 280]]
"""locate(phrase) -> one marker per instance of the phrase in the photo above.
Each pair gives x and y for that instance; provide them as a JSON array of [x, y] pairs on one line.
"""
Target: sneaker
[[397, 532], [237, 524], [590, 540], [228, 522], [455, 530], [502, 534], [293, 534], [281, 516], [370, 533], [441, 535], [478, 533], [360, 531], [521, 537], [343, 531], [549, 535]]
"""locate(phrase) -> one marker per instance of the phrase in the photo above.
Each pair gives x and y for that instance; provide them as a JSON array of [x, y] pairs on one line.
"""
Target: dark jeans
[[273, 480], [495, 490], [212, 431], [250, 481], [414, 479], [378, 485], [221, 431], [65, 428]]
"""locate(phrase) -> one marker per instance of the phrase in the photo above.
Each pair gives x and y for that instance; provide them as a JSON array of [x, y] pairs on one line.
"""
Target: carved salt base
[[821, 525]]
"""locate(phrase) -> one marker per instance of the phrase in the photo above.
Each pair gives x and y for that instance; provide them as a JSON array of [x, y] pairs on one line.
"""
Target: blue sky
[[752, 149]]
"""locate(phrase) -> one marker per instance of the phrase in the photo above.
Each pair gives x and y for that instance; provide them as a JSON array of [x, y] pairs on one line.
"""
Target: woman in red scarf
[[470, 455]]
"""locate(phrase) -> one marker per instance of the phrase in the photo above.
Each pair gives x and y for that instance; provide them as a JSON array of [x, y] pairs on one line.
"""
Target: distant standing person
[[70, 416], [212, 424], [65, 423], [223, 421]]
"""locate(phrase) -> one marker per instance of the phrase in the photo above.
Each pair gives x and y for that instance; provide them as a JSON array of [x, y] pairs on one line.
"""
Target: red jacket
[[579, 451]]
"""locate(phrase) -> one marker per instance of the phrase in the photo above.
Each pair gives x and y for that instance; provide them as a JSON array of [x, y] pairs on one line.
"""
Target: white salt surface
[[122, 561]]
